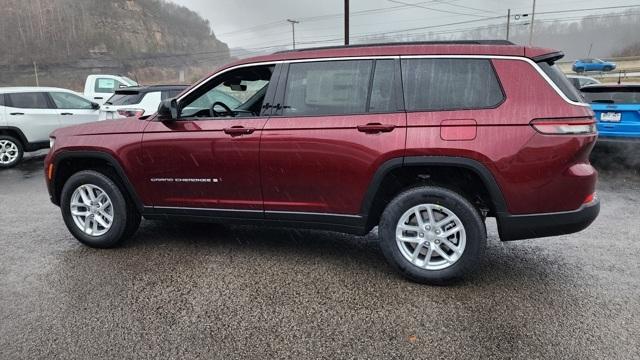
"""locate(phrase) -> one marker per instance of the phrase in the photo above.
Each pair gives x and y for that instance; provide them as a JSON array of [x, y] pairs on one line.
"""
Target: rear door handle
[[238, 130], [98, 97], [67, 113], [17, 113], [374, 128]]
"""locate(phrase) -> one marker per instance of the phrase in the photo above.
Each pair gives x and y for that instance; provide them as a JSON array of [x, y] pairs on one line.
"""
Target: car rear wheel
[[96, 211], [11, 152], [607, 68], [432, 235]]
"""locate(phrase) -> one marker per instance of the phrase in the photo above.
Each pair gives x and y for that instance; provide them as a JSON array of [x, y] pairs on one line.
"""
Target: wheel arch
[[67, 163], [14, 132], [388, 181]]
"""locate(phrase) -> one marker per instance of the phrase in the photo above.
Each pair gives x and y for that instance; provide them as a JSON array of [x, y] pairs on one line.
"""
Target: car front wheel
[[96, 211], [432, 235]]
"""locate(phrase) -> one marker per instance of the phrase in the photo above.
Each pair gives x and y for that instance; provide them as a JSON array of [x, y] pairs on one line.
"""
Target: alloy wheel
[[92, 210], [430, 236]]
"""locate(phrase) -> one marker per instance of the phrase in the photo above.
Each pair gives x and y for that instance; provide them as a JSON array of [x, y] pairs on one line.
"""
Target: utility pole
[[508, 22], [35, 70], [346, 22], [293, 31], [533, 14]]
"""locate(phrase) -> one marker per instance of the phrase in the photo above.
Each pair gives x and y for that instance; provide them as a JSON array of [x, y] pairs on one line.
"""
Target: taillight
[[131, 112], [565, 126]]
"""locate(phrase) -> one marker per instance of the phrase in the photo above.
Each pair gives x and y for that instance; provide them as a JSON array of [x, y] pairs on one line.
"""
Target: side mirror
[[95, 106], [168, 110]]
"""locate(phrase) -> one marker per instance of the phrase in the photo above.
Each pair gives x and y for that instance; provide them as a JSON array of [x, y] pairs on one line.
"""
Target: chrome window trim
[[499, 57]]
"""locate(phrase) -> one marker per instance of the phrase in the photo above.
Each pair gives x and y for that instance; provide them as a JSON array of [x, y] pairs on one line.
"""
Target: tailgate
[[618, 120]]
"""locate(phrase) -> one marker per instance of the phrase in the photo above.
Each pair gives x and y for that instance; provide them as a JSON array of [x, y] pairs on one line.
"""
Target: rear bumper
[[604, 139], [517, 227]]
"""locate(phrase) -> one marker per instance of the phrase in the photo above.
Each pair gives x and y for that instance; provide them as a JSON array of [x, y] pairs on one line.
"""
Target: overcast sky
[[256, 25]]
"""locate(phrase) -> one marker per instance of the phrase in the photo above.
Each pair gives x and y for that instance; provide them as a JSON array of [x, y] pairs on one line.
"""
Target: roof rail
[[444, 42]]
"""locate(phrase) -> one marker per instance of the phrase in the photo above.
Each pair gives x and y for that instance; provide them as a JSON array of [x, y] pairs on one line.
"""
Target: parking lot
[[212, 291]]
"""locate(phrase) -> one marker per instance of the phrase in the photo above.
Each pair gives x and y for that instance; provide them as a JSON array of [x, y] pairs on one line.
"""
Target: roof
[[150, 88], [471, 47]]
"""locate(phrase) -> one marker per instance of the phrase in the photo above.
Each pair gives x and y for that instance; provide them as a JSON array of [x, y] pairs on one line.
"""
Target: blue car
[[617, 110], [583, 65]]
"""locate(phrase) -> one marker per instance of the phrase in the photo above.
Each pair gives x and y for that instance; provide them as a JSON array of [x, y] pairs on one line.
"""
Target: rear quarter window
[[450, 84], [560, 80]]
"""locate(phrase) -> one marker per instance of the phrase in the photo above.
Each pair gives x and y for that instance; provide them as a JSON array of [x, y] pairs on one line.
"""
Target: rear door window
[[327, 88], [450, 84], [29, 100], [70, 101], [1, 99]]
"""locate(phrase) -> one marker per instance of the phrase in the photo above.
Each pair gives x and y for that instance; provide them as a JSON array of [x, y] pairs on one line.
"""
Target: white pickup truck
[[99, 88]]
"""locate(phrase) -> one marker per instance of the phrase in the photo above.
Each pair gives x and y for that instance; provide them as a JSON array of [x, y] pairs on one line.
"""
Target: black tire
[[579, 70], [18, 144], [476, 235], [607, 68], [126, 218]]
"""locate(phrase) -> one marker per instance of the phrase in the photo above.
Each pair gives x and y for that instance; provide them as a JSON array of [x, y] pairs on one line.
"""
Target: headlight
[[52, 141]]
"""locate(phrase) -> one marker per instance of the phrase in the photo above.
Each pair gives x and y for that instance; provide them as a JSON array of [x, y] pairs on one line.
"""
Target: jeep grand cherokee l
[[424, 140]]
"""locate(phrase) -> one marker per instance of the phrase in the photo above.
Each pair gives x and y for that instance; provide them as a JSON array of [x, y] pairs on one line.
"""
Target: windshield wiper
[[603, 101]]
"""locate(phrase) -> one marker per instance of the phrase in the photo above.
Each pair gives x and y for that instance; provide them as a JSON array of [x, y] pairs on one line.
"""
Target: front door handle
[[67, 113], [238, 130], [374, 128], [17, 113], [98, 98]]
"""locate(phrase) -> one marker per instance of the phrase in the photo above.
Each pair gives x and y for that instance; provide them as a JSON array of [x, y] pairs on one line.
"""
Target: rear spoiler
[[549, 58]]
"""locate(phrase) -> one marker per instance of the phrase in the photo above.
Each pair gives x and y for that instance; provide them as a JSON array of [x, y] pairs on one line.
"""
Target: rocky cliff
[[153, 39]]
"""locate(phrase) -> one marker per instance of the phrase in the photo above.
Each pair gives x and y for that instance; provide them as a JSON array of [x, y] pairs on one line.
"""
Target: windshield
[[129, 81], [625, 95]]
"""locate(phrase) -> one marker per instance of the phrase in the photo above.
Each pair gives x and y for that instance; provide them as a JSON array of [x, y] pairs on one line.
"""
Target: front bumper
[[517, 227]]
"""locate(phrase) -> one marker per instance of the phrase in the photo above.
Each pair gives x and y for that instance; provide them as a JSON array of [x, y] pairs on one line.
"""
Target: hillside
[[148, 39]]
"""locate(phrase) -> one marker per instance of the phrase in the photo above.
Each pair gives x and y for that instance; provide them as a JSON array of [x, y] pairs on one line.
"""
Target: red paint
[[326, 163]]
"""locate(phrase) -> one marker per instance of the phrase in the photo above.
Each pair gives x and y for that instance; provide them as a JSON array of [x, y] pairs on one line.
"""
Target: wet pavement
[[212, 291]]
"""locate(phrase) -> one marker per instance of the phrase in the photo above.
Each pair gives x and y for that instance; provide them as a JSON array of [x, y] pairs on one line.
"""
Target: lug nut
[[437, 241], [421, 235]]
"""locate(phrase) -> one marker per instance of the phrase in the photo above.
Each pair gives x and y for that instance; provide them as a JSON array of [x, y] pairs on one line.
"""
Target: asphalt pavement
[[188, 291]]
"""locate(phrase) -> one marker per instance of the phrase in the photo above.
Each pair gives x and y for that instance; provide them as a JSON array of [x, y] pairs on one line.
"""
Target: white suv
[[137, 100], [29, 114]]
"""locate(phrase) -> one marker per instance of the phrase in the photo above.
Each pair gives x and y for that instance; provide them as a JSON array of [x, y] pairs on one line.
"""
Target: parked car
[[331, 139], [99, 88], [579, 81], [137, 101], [29, 114], [583, 65], [617, 110]]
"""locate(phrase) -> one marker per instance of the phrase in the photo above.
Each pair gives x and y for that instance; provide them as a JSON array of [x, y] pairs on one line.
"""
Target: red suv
[[424, 140]]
